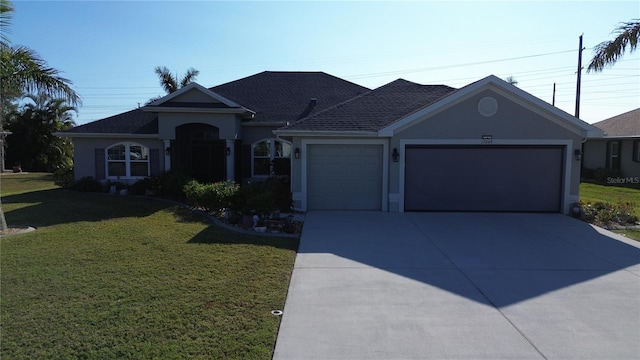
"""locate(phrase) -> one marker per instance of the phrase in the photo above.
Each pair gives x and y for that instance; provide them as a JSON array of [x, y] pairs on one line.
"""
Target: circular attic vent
[[487, 106]]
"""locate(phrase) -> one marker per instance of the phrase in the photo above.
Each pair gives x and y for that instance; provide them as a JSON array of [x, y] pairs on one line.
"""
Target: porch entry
[[199, 152]]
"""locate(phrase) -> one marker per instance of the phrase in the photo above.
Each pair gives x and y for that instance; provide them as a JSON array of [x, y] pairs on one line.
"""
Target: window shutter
[[99, 160], [154, 161], [636, 151]]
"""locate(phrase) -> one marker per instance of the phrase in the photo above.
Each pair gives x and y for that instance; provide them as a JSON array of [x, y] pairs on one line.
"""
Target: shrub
[[211, 197], [87, 184], [64, 177], [170, 184], [254, 198], [280, 189], [607, 214], [140, 187]]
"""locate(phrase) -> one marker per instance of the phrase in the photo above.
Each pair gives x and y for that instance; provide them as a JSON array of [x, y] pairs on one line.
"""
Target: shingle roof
[[286, 96], [131, 122], [375, 109], [627, 124]]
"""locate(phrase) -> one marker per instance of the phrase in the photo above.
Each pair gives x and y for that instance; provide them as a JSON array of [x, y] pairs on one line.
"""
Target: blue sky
[[110, 48]]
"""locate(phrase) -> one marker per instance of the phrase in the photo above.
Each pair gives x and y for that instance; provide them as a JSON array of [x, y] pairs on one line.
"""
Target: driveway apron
[[373, 285]]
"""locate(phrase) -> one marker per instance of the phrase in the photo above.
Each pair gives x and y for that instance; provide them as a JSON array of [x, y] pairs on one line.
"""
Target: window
[[636, 151], [613, 155], [271, 156], [127, 160]]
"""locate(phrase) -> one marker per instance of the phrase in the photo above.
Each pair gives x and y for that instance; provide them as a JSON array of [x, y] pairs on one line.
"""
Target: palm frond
[[23, 69], [168, 82], [6, 14], [608, 52], [189, 77]]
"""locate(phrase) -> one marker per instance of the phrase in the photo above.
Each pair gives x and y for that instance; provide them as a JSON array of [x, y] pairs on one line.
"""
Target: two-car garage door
[[484, 178]]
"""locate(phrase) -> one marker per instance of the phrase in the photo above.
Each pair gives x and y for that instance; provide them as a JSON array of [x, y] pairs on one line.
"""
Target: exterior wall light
[[395, 155], [228, 151], [296, 153], [167, 151], [578, 154]]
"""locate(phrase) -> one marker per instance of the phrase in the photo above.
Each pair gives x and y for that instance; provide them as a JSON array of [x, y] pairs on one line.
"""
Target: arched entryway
[[199, 152]]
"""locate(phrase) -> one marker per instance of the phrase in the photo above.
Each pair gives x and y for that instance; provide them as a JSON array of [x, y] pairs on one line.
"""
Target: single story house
[[619, 149], [488, 146]]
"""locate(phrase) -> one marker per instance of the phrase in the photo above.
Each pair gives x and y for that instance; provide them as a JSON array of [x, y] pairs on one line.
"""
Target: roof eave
[[161, 109], [326, 133], [105, 135]]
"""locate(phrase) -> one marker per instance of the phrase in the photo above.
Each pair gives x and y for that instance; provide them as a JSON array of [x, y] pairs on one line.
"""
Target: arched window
[[270, 157], [127, 160]]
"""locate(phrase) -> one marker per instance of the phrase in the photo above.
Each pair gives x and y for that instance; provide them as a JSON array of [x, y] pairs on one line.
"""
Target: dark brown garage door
[[484, 178]]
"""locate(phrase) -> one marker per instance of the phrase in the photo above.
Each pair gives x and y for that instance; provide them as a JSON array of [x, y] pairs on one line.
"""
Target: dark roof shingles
[[375, 109], [282, 96], [131, 122]]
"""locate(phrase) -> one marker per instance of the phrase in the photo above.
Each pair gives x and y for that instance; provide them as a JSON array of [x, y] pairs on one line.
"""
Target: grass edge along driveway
[[593, 193], [123, 277]]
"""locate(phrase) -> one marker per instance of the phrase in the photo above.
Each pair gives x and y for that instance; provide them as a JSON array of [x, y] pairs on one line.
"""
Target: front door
[[199, 152]]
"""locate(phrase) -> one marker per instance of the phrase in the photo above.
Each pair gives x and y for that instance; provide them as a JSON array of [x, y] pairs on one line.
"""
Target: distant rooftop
[[627, 124]]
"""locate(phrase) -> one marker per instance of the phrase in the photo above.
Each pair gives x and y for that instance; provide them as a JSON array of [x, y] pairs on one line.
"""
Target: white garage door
[[485, 178], [344, 177]]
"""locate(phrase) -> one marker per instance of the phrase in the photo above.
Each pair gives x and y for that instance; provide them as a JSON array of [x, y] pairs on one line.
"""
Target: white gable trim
[[106, 135], [505, 89], [189, 87]]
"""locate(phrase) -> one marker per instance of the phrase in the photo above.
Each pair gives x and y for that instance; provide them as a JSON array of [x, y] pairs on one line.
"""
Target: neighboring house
[[619, 149], [488, 146]]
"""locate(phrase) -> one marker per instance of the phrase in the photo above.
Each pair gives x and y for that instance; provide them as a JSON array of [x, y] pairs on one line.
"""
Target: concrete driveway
[[370, 285]]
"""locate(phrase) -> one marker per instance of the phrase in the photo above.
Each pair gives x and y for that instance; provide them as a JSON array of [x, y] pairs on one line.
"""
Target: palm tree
[[22, 70], [171, 83], [608, 52], [511, 80], [32, 141]]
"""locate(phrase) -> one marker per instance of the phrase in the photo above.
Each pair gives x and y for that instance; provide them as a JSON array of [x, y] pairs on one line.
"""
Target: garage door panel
[[483, 178], [344, 177]]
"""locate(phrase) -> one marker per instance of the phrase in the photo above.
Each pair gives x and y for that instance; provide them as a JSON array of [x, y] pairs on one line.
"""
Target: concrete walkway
[[370, 285]]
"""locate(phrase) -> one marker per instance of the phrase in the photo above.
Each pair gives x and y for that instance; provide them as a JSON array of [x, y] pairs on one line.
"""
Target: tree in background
[[32, 143], [171, 83], [608, 52], [23, 71]]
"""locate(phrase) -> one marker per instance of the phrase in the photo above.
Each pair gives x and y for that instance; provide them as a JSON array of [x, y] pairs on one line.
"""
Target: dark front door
[[199, 152], [207, 161]]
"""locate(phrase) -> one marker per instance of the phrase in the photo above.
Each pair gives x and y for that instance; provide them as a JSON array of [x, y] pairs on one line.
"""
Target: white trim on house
[[183, 109], [107, 135], [505, 89], [127, 161], [272, 155], [189, 87], [566, 200], [303, 195], [350, 134]]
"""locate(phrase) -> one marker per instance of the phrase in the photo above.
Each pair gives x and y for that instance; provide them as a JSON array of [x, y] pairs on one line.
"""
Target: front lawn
[[593, 193], [107, 277]]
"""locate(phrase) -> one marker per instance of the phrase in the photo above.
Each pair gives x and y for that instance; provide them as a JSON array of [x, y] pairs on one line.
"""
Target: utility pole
[[579, 78], [553, 99]]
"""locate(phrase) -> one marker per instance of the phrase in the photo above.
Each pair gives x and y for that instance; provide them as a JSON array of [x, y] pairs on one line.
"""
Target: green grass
[[612, 194], [107, 277]]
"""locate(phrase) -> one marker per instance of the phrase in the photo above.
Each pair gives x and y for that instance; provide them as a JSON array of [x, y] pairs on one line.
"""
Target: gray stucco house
[[619, 149], [488, 146]]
